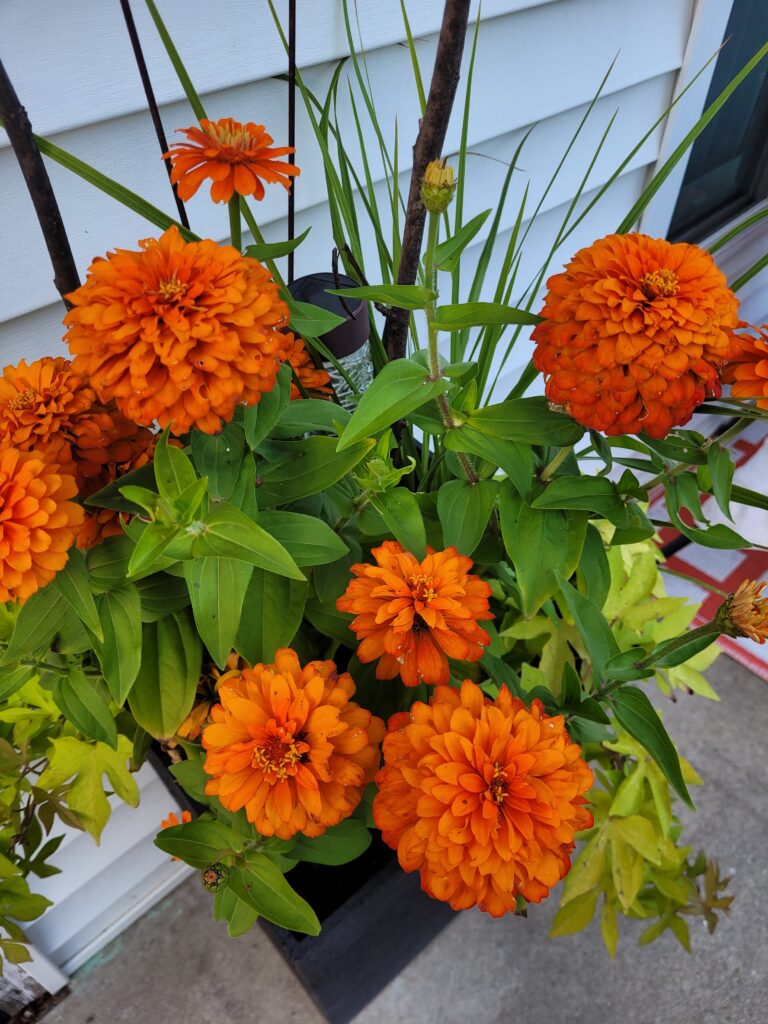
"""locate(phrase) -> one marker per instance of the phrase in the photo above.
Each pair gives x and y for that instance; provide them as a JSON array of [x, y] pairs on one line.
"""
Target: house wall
[[538, 61]]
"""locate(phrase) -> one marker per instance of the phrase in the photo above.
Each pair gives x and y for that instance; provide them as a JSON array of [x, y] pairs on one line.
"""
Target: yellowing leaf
[[587, 869], [609, 928], [575, 915], [86, 764], [627, 868], [640, 834]]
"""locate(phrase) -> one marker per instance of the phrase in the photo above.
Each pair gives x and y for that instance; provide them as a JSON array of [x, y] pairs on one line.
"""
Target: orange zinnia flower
[[636, 330], [314, 379], [38, 522], [289, 746], [178, 332], [173, 819], [747, 369], [482, 797], [207, 695], [236, 157], [745, 612], [414, 615]]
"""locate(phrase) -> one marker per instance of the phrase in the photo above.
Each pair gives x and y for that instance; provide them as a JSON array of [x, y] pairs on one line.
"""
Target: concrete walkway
[[176, 966]]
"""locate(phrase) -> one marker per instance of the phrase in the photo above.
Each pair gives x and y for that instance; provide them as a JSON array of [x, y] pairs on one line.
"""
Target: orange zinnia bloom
[[414, 615], [747, 369], [38, 522], [178, 332], [314, 379], [481, 797], [173, 819], [745, 613], [289, 746], [207, 695], [236, 157], [635, 332]]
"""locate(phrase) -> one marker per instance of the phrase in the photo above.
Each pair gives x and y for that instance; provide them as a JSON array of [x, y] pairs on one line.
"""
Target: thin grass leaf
[[175, 59], [458, 218], [112, 188], [414, 60], [749, 274], [737, 229]]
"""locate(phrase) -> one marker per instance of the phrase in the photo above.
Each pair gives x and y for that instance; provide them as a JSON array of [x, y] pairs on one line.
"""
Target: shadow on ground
[[175, 965]]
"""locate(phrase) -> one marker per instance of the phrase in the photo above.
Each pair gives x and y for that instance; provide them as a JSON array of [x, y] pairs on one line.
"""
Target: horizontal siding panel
[[126, 148], [222, 45]]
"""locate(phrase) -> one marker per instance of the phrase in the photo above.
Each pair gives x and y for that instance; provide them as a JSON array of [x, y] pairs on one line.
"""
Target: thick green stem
[[551, 468], [235, 229]]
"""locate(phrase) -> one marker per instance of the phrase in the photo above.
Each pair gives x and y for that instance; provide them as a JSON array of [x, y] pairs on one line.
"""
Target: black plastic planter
[[375, 920]]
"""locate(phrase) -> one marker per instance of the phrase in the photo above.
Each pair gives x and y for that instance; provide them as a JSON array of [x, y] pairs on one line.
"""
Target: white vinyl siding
[[538, 62]]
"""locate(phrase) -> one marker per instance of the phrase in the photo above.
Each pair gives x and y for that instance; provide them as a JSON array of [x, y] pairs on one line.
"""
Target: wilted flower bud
[[214, 877], [745, 612], [438, 186]]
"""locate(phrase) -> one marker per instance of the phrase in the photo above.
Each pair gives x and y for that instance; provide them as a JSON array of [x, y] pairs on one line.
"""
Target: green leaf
[[147, 554], [160, 595], [593, 627], [527, 421], [669, 654], [264, 888], [217, 589], [229, 533], [174, 473], [239, 915], [575, 915], [310, 321], [274, 250], [403, 296], [88, 763], [41, 617], [259, 419], [72, 584], [590, 493], [721, 470], [516, 460], [481, 314], [626, 868], [218, 457], [539, 543], [337, 845], [164, 691], [400, 388], [85, 707], [111, 496], [120, 652], [640, 834], [311, 415], [464, 510], [594, 567], [447, 253], [310, 466], [272, 610], [108, 563], [401, 512], [200, 842], [331, 623], [636, 714], [308, 540], [12, 678]]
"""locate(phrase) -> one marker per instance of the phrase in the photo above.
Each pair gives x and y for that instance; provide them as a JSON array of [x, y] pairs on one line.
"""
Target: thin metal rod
[[16, 123], [154, 110], [291, 123]]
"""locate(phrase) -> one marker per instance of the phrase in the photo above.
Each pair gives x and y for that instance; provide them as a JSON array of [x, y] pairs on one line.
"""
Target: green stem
[[433, 228], [235, 230], [358, 505], [693, 579], [551, 468]]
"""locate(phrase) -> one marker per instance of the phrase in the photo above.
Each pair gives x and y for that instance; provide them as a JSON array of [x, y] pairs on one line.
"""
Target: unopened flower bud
[[438, 186], [214, 877], [745, 612]]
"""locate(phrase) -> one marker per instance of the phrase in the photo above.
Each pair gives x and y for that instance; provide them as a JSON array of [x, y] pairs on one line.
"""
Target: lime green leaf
[[401, 512], [272, 610], [120, 652], [403, 296], [447, 253], [164, 691], [310, 321], [85, 707], [264, 888], [527, 421], [41, 617], [311, 415], [592, 624], [639, 833], [464, 510], [174, 473], [199, 843], [72, 583], [400, 388], [308, 540], [481, 314], [87, 763], [217, 588], [587, 870], [147, 554], [575, 915], [239, 915], [627, 867], [516, 460], [274, 250], [229, 533], [609, 928], [218, 457], [636, 714], [310, 466]]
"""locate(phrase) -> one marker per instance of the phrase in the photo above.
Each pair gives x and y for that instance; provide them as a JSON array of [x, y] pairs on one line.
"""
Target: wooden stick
[[428, 146], [16, 124]]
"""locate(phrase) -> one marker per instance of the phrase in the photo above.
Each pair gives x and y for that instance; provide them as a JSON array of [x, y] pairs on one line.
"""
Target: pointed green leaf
[[72, 583], [218, 457], [480, 314], [464, 510], [85, 707], [120, 652], [217, 589], [272, 610]]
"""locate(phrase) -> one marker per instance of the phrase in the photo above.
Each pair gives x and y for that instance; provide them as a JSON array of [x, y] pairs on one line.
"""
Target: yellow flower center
[[171, 289], [422, 588], [241, 140], [280, 756], [496, 790], [23, 399], [659, 284]]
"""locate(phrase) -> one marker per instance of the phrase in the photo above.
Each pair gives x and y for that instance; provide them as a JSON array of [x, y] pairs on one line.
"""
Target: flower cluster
[[635, 333], [412, 616], [482, 798]]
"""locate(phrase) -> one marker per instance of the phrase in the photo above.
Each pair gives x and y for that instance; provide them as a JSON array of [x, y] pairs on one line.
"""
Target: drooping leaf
[[218, 457], [164, 690], [464, 510], [272, 610], [401, 512], [217, 589], [592, 625]]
